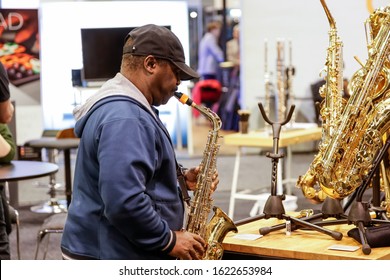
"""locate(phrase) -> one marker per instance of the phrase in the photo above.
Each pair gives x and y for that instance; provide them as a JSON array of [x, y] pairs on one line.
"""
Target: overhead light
[[193, 14], [235, 13]]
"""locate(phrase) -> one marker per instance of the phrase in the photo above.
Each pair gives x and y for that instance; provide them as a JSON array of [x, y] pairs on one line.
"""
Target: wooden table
[[261, 139], [301, 244]]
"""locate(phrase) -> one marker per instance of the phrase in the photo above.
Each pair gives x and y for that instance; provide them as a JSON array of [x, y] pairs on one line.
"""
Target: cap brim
[[187, 73]]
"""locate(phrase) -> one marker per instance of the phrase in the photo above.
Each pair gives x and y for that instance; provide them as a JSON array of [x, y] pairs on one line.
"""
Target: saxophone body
[[213, 231], [353, 133], [330, 110]]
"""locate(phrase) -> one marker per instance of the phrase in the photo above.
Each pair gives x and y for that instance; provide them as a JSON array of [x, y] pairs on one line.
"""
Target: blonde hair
[[213, 25]]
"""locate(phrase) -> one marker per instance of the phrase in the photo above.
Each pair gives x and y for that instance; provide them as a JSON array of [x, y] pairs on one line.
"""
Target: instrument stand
[[274, 206]]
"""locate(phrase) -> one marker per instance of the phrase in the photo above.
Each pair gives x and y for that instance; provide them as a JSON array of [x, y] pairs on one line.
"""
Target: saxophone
[[354, 133], [289, 84], [281, 81], [330, 110], [214, 231], [268, 88]]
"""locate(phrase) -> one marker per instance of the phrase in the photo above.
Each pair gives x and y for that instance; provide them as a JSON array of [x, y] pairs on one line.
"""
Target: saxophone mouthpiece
[[185, 99]]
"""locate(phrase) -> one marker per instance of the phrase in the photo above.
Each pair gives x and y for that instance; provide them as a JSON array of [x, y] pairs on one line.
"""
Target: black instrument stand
[[273, 207]]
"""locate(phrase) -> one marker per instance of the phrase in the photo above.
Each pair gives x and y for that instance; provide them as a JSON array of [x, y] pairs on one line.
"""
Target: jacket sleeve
[[216, 51]]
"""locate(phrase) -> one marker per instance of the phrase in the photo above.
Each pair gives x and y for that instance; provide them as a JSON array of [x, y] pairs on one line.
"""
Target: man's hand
[[188, 246], [191, 178]]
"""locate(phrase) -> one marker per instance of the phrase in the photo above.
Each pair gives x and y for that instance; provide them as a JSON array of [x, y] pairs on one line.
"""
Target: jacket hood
[[118, 87]]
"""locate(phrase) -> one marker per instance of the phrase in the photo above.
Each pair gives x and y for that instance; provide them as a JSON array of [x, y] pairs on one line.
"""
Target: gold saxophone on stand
[[280, 81], [267, 88], [289, 85], [330, 110], [353, 133], [214, 231]]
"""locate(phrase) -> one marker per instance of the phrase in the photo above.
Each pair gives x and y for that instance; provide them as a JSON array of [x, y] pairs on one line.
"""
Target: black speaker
[[76, 78]]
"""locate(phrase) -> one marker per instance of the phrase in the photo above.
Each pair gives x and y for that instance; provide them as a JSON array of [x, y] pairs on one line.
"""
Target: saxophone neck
[[209, 114], [332, 22]]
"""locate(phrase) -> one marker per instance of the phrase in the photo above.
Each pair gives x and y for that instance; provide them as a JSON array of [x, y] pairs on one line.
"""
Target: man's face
[[217, 32], [166, 81]]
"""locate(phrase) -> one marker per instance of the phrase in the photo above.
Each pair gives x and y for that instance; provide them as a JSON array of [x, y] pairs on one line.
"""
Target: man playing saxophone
[[126, 200]]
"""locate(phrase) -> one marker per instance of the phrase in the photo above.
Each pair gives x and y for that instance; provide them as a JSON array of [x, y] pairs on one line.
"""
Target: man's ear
[[150, 63]]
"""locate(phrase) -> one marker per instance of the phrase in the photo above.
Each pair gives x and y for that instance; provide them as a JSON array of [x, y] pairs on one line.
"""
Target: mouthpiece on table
[[185, 99]]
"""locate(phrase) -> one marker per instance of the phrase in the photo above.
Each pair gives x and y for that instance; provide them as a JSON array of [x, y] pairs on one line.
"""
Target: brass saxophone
[[354, 133], [268, 88], [281, 81], [330, 111], [214, 231], [289, 84]]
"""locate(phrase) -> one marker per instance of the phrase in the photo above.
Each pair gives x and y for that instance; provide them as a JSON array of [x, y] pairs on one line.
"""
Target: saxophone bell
[[219, 225]]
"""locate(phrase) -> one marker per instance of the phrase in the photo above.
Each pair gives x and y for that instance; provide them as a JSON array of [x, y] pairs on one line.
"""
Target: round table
[[25, 169]]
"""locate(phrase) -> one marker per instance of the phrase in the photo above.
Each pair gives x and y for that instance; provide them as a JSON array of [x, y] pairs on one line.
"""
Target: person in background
[[6, 107], [7, 153], [233, 56], [127, 203], [7, 144], [210, 53], [229, 103], [233, 47]]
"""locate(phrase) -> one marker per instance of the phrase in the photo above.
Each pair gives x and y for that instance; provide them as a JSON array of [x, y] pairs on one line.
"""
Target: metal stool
[[53, 224], [52, 205], [14, 217], [64, 140]]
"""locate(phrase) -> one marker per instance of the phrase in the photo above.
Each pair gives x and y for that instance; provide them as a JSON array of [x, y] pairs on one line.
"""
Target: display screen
[[19, 45], [102, 52]]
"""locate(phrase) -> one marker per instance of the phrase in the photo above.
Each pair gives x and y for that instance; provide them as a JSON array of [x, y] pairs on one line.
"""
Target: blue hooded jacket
[[126, 201]]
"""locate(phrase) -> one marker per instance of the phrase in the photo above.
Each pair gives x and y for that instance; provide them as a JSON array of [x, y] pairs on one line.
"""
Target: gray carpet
[[254, 173]]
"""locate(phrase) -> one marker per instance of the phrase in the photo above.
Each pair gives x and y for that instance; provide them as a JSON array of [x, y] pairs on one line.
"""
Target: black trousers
[[5, 226]]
